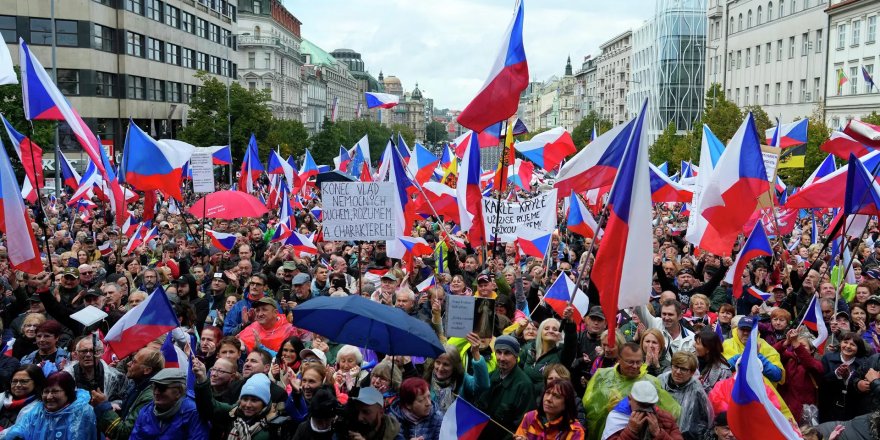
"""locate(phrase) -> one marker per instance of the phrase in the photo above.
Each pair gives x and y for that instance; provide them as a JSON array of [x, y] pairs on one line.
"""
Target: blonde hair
[[539, 341], [33, 318]]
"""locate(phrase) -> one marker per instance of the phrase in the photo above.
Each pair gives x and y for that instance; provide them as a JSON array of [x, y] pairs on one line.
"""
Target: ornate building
[[342, 87]]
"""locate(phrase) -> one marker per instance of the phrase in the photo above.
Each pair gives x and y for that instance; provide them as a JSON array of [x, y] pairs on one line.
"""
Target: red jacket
[[803, 373], [668, 429]]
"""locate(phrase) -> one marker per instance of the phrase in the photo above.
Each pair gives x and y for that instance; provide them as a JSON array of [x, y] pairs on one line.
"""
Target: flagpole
[[487, 416], [42, 217], [583, 269], [502, 181]]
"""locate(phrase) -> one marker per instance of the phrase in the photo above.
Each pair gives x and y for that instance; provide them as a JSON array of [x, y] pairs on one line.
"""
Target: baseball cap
[[71, 272], [370, 396], [644, 392], [221, 276], [266, 300], [687, 271], [316, 353], [301, 278], [95, 293], [389, 276], [596, 312], [873, 298], [170, 376], [483, 278], [746, 322], [289, 265]]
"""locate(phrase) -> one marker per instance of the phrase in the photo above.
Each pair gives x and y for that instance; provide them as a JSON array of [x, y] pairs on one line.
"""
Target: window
[[214, 34], [68, 81], [136, 6], [188, 58], [7, 28], [736, 99], [746, 96], [819, 41], [730, 63], [739, 23], [214, 65], [871, 35], [748, 57], [155, 89], [869, 69], [226, 38], [803, 91], [137, 86], [172, 16], [790, 47], [188, 91], [134, 45], [766, 94], [104, 84], [268, 61], [853, 80], [781, 8], [186, 20], [175, 90], [757, 89], [224, 67], [816, 92], [789, 91], [856, 32], [770, 11], [65, 32], [154, 49], [154, 10], [793, 6], [759, 15], [778, 93], [778, 50], [730, 26], [172, 54], [841, 36], [805, 44], [102, 38], [201, 28], [201, 61], [252, 86], [252, 60], [717, 29], [749, 19], [258, 6], [757, 55], [769, 53]]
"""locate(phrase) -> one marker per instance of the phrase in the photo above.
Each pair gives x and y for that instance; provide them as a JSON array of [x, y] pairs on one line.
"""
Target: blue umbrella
[[363, 323]]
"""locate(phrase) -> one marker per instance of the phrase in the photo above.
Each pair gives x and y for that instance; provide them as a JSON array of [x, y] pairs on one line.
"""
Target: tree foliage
[[409, 136], [377, 134], [817, 133], [673, 148], [291, 136], [762, 121], [325, 144], [208, 113], [873, 118], [722, 116], [436, 133], [583, 132]]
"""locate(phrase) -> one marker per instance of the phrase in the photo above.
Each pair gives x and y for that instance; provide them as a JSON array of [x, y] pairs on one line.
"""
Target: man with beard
[[368, 420], [151, 280], [117, 422], [687, 282]]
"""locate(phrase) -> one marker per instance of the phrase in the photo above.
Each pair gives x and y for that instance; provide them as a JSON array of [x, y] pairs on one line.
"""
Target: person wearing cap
[[219, 289], [589, 345], [510, 394], [638, 417], [367, 418], [269, 329], [241, 314], [721, 429], [302, 288], [188, 293], [610, 385], [171, 414], [388, 284], [485, 287], [69, 286], [769, 357], [247, 418]]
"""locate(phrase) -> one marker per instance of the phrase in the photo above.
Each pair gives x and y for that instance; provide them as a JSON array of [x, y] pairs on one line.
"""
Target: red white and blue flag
[[622, 271], [69, 175], [663, 189], [842, 145], [309, 168], [29, 154], [548, 149], [758, 293], [462, 421], [862, 194], [20, 243], [825, 168], [302, 244], [751, 414], [813, 320], [757, 245], [426, 284], [533, 242], [221, 155], [141, 325], [863, 132], [580, 220], [422, 164], [221, 240], [106, 248], [595, 165], [498, 99], [788, 135], [251, 168], [151, 164], [468, 194], [415, 246], [381, 100], [562, 292]]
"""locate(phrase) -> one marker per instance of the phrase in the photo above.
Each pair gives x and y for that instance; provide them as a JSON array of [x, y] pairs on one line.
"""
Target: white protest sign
[[202, 167], [358, 211], [538, 213], [459, 315]]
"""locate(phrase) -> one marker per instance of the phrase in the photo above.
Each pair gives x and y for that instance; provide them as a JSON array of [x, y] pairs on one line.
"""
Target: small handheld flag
[[462, 421]]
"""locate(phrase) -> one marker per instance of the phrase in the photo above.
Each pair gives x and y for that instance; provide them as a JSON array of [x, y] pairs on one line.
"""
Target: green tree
[[722, 116], [208, 113], [762, 121], [409, 136], [325, 144], [291, 136], [43, 134], [377, 134], [817, 134], [873, 118], [673, 148], [583, 132], [436, 133]]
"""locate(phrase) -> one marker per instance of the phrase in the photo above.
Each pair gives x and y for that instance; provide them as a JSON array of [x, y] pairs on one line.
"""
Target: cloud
[[448, 47]]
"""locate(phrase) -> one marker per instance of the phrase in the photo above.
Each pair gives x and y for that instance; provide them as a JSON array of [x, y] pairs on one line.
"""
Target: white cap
[[644, 392], [314, 352]]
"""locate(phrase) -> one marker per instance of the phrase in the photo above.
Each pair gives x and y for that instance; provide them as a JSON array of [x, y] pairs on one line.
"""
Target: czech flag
[[755, 246], [143, 324], [462, 421], [548, 149], [68, 174], [342, 161], [862, 190], [154, 165], [842, 145], [426, 284], [309, 168], [404, 206], [422, 164], [29, 154], [595, 165], [825, 168], [622, 270], [663, 189], [221, 155], [711, 150], [381, 100], [509, 76], [863, 132], [520, 174], [20, 243], [829, 191], [788, 135], [470, 199], [250, 167], [751, 414], [301, 243], [533, 242], [731, 196], [758, 293], [441, 197], [416, 246], [813, 321], [562, 292], [580, 221], [221, 240], [106, 248]]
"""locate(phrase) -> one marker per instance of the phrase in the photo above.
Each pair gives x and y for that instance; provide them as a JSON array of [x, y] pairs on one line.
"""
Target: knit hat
[[257, 386], [508, 343]]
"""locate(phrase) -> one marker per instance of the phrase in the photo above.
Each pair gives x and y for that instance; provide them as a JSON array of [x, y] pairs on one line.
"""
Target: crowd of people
[[539, 373]]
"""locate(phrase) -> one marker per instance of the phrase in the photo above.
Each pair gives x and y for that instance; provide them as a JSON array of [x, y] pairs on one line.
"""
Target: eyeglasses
[[88, 352], [682, 369], [21, 381], [216, 371], [256, 284], [311, 360]]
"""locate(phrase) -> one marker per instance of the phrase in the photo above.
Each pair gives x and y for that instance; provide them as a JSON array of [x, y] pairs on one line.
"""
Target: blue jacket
[[427, 429], [185, 424], [73, 422], [62, 355], [233, 317]]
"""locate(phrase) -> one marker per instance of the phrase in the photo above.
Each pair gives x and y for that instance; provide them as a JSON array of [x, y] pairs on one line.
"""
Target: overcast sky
[[448, 46]]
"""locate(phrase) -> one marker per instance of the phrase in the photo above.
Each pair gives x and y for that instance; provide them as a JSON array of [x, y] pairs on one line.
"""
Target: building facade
[[853, 49], [269, 38], [365, 81], [314, 96], [769, 53], [342, 87], [411, 109], [132, 58], [586, 100], [613, 77]]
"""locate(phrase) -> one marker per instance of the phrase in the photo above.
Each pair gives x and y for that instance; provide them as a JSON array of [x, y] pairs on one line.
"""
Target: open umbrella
[[363, 323], [228, 205]]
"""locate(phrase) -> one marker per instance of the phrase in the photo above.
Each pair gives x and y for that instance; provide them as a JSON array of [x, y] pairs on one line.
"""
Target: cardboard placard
[[358, 211]]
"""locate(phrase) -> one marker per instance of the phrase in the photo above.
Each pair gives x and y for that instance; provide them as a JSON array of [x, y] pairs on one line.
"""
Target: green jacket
[[219, 413], [562, 354], [506, 401], [115, 427]]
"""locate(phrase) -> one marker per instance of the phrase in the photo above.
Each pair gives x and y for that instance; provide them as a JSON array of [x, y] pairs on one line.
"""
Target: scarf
[[409, 416], [166, 416], [11, 404], [240, 428], [442, 391]]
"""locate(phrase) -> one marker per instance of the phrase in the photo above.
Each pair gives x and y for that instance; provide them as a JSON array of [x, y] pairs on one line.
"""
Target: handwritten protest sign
[[538, 213], [358, 211], [459, 315], [202, 167]]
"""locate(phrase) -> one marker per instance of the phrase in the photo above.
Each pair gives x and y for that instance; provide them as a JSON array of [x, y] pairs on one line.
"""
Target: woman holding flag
[[556, 344]]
